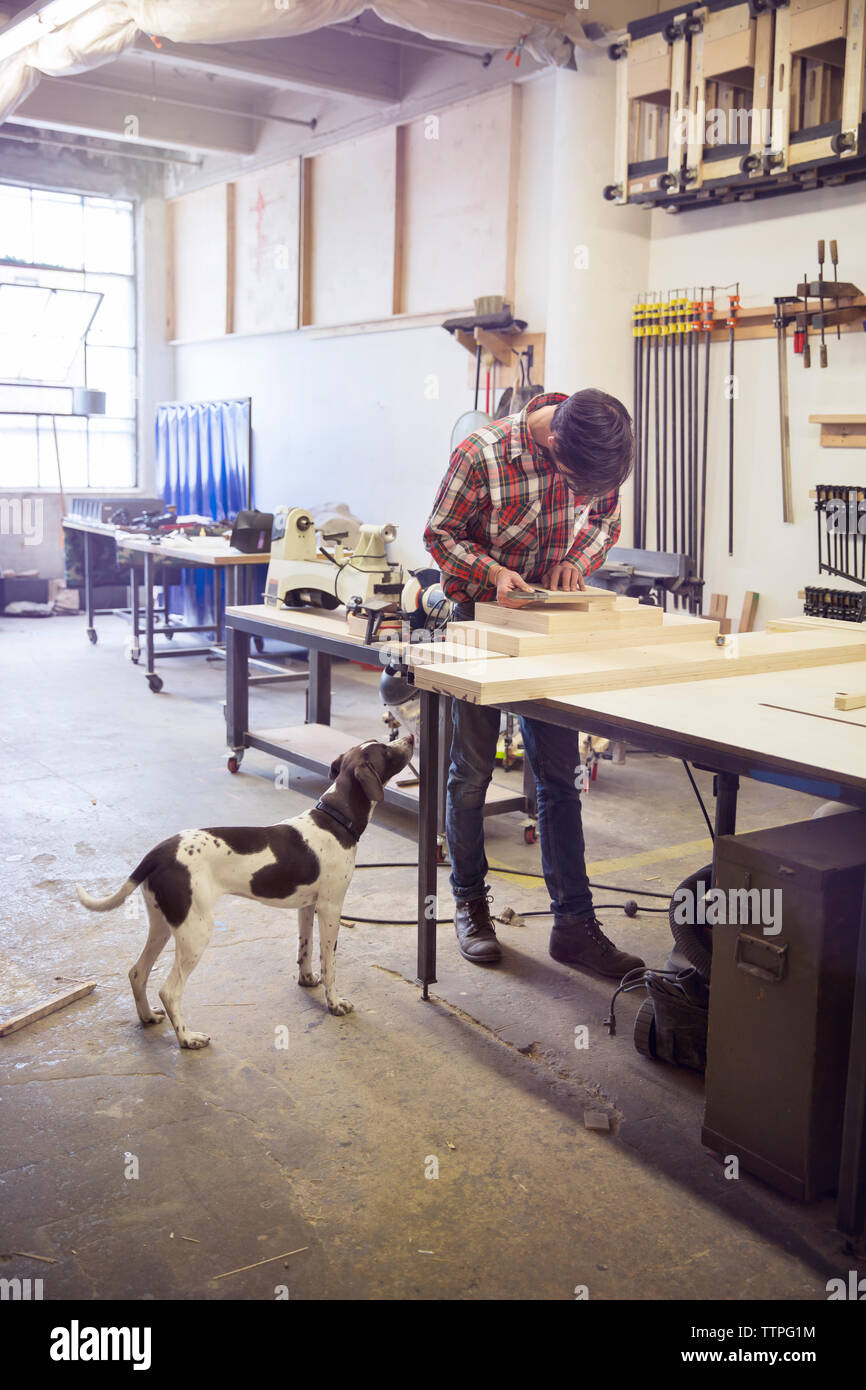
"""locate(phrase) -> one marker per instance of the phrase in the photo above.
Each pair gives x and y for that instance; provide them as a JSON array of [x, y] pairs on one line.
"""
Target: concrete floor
[[245, 1151]]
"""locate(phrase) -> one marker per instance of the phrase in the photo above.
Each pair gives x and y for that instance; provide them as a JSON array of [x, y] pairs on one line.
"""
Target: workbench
[[314, 744], [209, 552], [88, 530], [778, 728]]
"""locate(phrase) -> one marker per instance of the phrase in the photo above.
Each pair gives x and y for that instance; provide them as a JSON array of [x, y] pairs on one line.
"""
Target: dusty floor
[[145, 1172]]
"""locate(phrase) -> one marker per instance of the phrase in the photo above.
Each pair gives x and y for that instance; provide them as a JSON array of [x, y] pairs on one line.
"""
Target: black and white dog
[[304, 863]]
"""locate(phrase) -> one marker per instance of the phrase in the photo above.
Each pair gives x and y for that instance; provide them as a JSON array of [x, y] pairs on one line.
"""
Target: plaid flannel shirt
[[503, 503]]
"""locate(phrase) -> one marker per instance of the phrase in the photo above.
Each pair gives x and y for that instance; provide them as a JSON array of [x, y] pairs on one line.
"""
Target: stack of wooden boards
[[594, 640]]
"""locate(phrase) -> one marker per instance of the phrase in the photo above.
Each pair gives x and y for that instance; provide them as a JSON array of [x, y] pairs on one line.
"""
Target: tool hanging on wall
[[733, 306], [834, 315], [841, 512], [672, 424]]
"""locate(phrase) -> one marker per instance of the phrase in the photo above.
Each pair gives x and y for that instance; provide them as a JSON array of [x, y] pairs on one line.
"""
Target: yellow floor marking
[[626, 861]]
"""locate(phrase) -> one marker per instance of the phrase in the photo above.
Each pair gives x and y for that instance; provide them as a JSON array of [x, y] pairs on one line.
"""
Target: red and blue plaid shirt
[[503, 503]]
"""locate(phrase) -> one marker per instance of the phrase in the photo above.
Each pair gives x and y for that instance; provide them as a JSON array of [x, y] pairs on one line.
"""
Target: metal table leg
[[726, 786], [446, 729], [427, 815], [851, 1204], [153, 679], [319, 690], [237, 693], [135, 611], [88, 584]]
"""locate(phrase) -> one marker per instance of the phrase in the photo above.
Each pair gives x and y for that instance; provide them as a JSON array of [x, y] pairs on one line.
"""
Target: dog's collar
[[339, 818]]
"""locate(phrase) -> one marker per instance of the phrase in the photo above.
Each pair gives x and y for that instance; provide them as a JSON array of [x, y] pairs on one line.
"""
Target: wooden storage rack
[[738, 99]]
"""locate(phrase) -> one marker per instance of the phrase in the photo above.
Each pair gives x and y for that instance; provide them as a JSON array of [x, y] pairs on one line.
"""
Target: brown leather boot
[[584, 946], [475, 932]]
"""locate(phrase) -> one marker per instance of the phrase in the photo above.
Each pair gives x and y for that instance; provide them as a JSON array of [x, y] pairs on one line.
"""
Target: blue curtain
[[203, 468]]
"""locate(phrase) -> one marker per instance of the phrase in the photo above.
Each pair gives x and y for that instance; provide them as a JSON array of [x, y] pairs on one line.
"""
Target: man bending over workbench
[[531, 499]]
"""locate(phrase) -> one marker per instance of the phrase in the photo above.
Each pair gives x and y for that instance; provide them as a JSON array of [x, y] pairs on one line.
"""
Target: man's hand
[[564, 576], [506, 582]]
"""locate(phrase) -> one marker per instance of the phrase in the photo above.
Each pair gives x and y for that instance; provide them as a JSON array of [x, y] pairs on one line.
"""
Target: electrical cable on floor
[[527, 873], [700, 800], [413, 921]]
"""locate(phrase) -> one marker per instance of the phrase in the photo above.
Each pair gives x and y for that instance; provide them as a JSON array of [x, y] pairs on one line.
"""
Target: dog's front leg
[[329, 930], [306, 976]]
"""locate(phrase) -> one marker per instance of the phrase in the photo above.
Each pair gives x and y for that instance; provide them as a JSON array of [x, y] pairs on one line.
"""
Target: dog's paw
[[309, 980], [156, 1016], [195, 1040], [341, 1006]]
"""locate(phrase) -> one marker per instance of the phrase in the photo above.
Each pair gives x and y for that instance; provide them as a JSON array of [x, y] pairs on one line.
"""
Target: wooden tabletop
[[214, 551], [787, 716], [86, 523]]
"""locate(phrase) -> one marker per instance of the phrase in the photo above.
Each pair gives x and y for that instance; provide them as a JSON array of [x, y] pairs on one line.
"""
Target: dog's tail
[[106, 904]]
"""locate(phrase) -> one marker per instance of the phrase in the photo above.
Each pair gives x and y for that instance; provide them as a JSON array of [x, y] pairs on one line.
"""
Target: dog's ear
[[334, 769], [370, 781]]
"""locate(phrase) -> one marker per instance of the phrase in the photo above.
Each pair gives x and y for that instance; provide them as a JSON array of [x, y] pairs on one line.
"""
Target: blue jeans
[[554, 756]]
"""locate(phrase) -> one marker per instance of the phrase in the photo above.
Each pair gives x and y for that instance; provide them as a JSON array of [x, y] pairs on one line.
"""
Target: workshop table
[[88, 529], [773, 728], [208, 552], [314, 744]]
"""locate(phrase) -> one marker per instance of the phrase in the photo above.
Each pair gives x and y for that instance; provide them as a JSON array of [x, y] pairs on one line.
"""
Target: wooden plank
[[399, 290], [846, 700], [12, 1025], [750, 608], [170, 276], [231, 256], [484, 639], [589, 597], [305, 249], [800, 622], [557, 619], [488, 682], [514, 118], [841, 431]]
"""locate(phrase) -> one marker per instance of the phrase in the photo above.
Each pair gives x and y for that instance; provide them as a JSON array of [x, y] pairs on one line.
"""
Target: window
[[67, 319]]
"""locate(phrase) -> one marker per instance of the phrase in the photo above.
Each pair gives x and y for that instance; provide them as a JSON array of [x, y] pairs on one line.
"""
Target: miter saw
[[303, 573]]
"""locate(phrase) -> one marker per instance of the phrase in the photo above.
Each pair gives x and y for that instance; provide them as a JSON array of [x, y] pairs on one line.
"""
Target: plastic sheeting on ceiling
[[109, 28]]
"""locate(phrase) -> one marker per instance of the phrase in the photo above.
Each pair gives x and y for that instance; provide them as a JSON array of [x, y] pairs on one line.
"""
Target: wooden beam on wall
[[305, 259], [231, 254], [399, 295]]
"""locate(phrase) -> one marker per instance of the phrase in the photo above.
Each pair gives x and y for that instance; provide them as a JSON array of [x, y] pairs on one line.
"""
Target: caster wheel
[[169, 637], [155, 683], [259, 643], [234, 764], [530, 834], [645, 1029], [91, 634]]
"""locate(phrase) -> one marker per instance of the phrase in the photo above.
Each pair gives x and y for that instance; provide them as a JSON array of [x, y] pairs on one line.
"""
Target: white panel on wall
[[350, 230], [267, 207], [198, 248], [459, 175]]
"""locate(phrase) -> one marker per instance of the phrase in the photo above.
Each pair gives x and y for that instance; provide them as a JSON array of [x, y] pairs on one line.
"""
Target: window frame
[[126, 424]]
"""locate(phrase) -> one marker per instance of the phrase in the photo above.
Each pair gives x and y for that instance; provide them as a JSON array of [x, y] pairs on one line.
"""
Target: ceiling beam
[[320, 63], [65, 105]]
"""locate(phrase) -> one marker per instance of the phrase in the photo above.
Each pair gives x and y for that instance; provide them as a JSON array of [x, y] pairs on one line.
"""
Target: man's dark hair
[[594, 441]]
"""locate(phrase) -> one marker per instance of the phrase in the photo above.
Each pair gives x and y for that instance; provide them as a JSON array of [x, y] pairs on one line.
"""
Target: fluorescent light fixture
[[37, 21]]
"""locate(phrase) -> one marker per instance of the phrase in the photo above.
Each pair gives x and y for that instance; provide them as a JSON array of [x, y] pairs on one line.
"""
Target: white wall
[[598, 252], [367, 418], [769, 246]]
